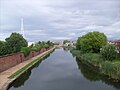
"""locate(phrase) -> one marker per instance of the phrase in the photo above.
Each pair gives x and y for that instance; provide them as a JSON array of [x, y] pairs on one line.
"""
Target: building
[[68, 44], [116, 43]]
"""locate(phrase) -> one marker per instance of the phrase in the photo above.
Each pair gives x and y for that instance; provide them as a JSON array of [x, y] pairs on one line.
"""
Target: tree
[[48, 42], [36, 47], [65, 41], [109, 52], [3, 49], [31, 46], [46, 46], [91, 42], [15, 42]]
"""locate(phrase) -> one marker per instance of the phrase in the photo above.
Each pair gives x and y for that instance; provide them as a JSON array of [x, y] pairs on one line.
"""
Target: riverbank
[[8, 76], [108, 68], [61, 70]]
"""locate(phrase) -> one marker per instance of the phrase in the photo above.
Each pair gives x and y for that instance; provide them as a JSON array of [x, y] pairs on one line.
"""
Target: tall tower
[[22, 28]]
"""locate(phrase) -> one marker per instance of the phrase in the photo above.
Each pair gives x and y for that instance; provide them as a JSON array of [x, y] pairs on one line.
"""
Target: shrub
[[46, 46], [109, 52], [25, 50], [36, 47], [111, 69]]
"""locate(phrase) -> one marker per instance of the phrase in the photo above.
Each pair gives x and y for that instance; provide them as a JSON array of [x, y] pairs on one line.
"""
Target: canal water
[[61, 71]]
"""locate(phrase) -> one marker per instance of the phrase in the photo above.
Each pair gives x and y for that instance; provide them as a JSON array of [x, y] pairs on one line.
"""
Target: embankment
[[14, 72]]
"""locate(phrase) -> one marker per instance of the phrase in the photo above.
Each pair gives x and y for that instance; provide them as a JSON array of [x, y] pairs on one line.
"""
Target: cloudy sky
[[59, 19]]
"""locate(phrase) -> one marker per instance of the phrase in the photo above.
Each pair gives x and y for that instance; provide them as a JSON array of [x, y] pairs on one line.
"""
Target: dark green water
[[61, 71]]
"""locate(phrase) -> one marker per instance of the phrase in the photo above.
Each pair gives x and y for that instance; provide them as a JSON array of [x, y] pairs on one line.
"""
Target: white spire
[[22, 28]]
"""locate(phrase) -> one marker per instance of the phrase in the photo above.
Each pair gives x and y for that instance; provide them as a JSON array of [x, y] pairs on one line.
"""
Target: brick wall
[[9, 61]]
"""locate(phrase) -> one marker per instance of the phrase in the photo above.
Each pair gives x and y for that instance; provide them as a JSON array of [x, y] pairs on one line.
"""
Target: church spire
[[22, 28]]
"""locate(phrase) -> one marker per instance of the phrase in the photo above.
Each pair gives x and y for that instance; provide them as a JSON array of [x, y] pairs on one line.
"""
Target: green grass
[[109, 68], [92, 58]]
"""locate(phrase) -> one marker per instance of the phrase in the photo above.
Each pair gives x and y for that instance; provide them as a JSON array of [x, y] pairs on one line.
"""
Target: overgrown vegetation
[[12, 44], [93, 49], [25, 50], [111, 69], [108, 52], [39, 45], [92, 58], [16, 43], [65, 41], [36, 47]]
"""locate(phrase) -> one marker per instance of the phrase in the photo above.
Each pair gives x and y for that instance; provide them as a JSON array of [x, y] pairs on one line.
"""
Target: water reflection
[[92, 74], [60, 72], [25, 76], [65, 49]]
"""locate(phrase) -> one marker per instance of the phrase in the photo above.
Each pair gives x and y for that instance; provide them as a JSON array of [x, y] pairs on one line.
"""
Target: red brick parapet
[[9, 61]]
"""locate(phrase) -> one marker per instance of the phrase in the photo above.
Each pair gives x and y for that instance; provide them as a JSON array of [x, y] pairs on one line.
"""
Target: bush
[[26, 51], [46, 46], [36, 47], [108, 52], [111, 69]]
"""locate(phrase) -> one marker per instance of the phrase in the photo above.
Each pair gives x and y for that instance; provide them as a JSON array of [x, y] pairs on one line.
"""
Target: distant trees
[[109, 52], [37, 46], [91, 42], [65, 41]]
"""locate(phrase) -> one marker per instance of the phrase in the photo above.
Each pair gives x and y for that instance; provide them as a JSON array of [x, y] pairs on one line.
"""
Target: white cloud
[[66, 19], [60, 38], [72, 34], [35, 32]]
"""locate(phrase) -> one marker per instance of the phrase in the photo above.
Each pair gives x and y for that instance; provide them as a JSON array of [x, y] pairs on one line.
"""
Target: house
[[116, 43]]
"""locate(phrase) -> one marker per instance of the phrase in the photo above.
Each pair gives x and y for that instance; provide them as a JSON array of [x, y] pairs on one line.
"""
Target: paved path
[[5, 74]]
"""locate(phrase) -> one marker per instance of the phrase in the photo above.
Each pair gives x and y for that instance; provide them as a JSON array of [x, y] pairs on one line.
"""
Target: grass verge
[[108, 68]]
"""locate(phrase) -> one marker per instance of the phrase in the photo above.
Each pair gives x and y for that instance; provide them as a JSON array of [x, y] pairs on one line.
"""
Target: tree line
[[16, 43]]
